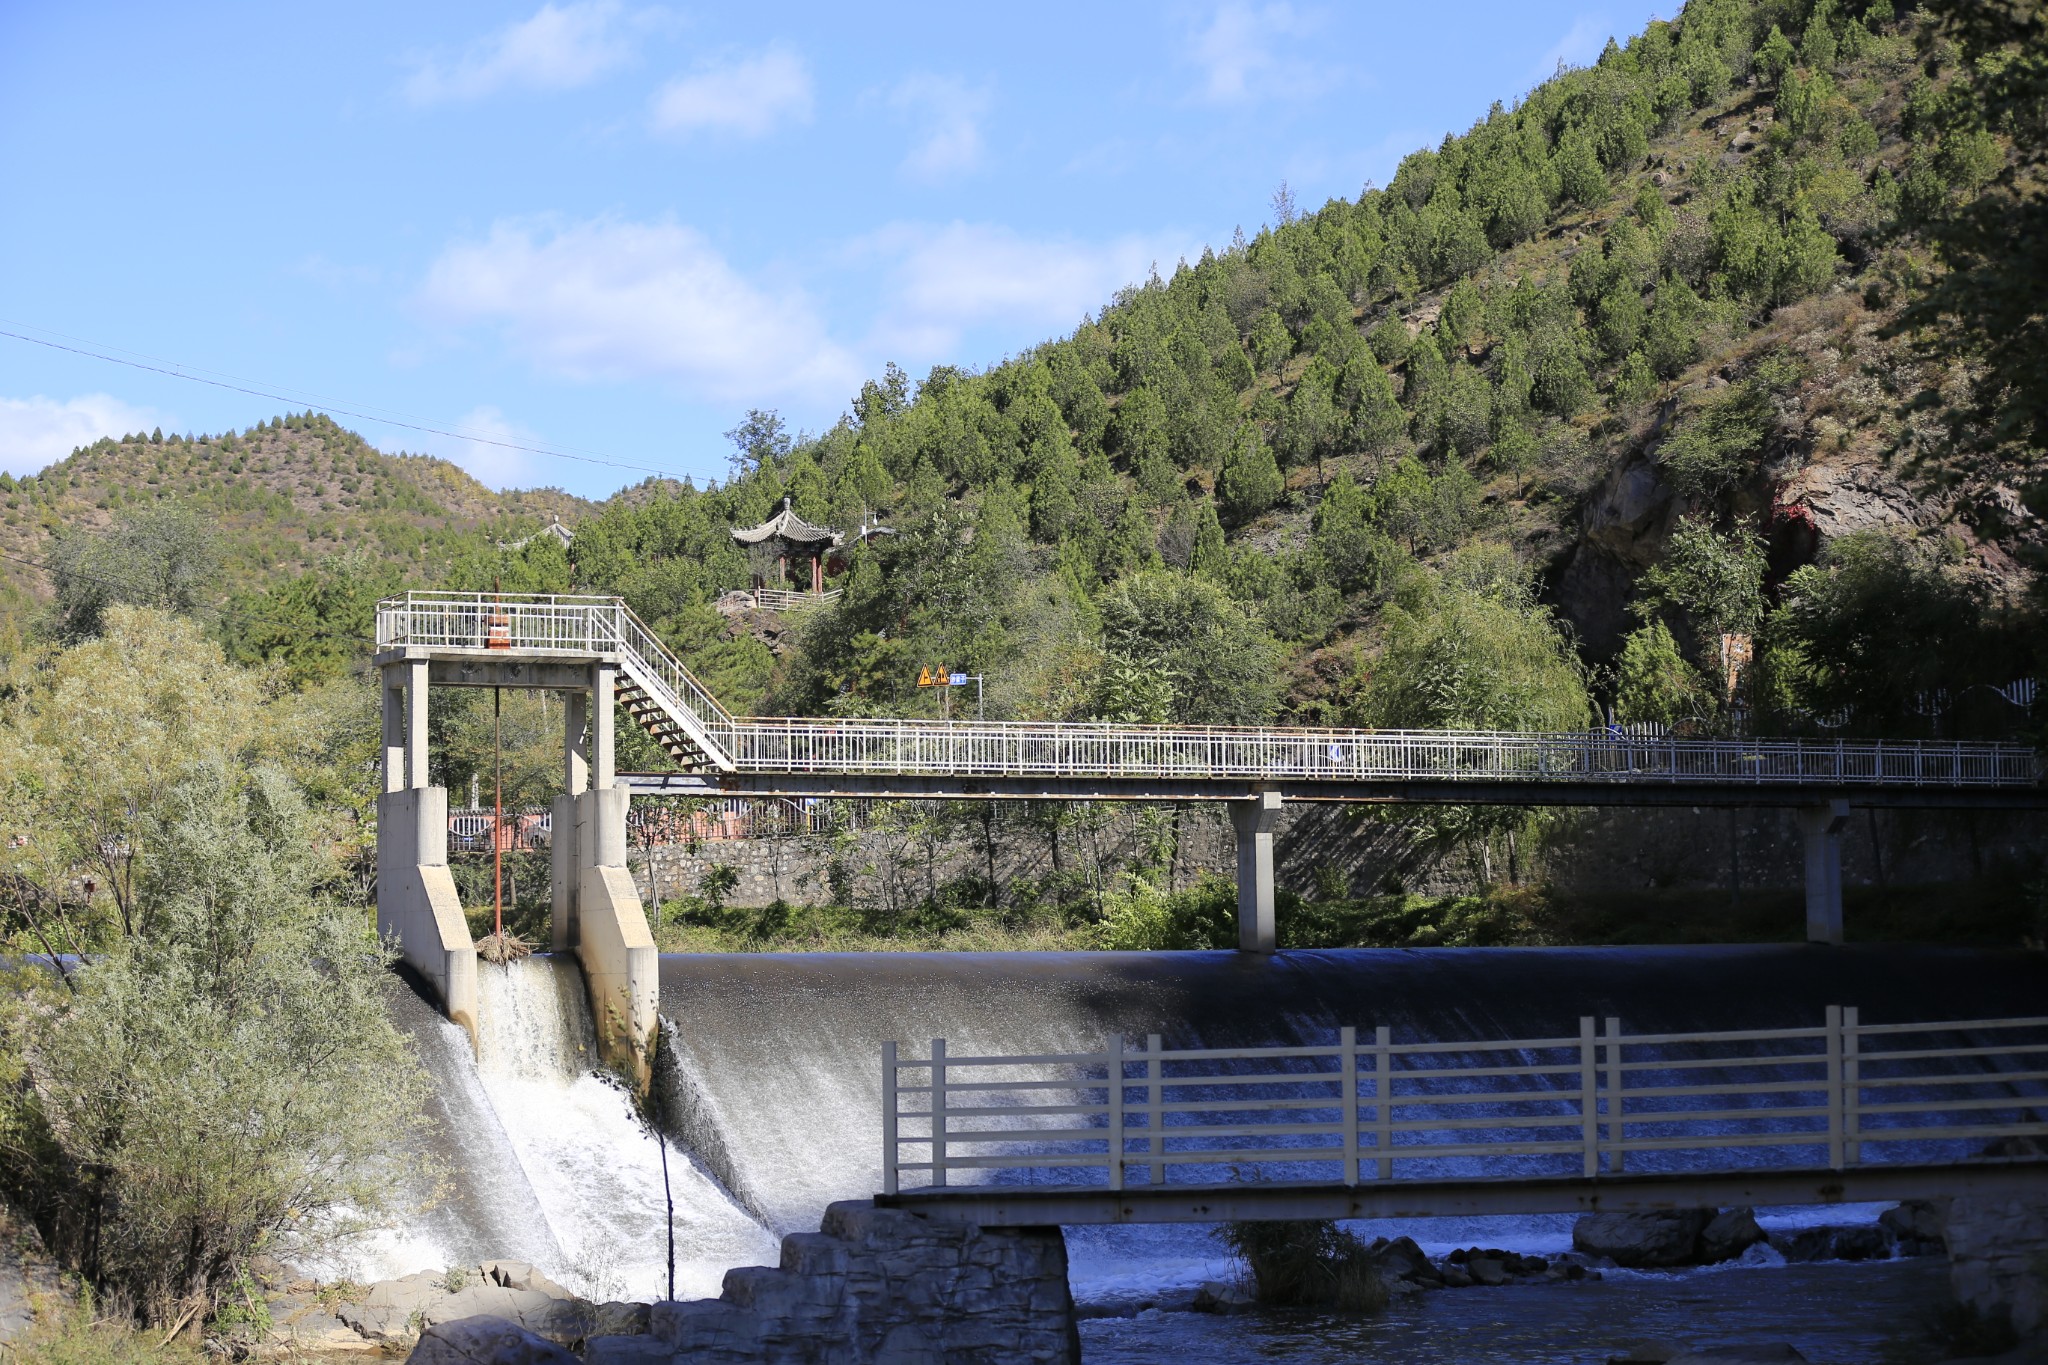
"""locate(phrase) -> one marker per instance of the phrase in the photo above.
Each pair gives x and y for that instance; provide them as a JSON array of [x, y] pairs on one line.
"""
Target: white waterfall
[[551, 1164]]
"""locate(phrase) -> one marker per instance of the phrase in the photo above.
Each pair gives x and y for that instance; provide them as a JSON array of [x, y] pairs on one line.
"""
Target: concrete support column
[[1253, 822], [417, 905], [416, 723], [1823, 826], [393, 688], [610, 928], [565, 823]]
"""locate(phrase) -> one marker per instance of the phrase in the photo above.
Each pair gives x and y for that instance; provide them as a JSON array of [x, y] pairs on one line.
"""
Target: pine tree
[[1211, 557], [1250, 482]]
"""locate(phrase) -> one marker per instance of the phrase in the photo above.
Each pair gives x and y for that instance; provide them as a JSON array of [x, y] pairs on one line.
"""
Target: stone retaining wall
[[1603, 850], [875, 1287], [1998, 1259]]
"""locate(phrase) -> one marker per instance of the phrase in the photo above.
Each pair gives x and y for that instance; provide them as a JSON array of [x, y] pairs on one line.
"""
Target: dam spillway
[[769, 1080]]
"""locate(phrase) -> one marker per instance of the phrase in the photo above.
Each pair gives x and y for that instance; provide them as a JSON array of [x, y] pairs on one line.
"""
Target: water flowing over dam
[[545, 1161], [769, 1083]]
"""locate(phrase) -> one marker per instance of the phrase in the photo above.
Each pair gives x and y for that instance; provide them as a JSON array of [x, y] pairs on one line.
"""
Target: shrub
[[1308, 1264]]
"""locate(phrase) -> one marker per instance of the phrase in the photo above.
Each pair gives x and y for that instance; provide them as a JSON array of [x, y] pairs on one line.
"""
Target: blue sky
[[610, 228]]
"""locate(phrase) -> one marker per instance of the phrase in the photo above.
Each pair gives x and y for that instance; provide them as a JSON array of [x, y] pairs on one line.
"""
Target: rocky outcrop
[[1833, 1242], [875, 1287], [1644, 1241], [1916, 1226], [1732, 1232], [393, 1312], [485, 1341]]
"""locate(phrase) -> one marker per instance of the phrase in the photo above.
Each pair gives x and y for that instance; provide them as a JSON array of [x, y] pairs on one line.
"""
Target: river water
[[770, 1095]]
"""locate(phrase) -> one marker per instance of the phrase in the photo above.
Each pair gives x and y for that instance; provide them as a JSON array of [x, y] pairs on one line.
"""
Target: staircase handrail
[[673, 687]]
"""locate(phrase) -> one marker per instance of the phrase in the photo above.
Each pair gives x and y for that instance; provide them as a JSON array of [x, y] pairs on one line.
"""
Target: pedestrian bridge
[[804, 756], [597, 652], [1587, 1120]]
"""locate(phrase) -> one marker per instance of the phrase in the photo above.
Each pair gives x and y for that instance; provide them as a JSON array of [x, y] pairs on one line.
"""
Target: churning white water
[[552, 1166]]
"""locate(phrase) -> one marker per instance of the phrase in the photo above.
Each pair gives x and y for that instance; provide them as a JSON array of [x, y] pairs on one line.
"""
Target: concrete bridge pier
[[596, 908], [1823, 826], [1252, 822], [416, 901]]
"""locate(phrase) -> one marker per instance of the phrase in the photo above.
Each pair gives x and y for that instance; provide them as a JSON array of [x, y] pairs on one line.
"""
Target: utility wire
[[362, 412]]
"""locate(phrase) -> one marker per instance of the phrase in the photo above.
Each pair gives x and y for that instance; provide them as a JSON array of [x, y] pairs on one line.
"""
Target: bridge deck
[[1040, 1206], [1027, 760]]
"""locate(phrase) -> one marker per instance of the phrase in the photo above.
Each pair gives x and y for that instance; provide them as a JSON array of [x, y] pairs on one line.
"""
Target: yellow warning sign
[[924, 677]]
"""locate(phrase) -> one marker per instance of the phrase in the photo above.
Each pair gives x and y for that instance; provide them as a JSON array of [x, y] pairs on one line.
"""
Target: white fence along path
[[586, 626], [1368, 1109]]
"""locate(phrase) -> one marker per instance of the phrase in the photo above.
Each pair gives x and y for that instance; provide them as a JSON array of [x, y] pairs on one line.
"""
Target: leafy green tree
[[1719, 444], [1270, 342], [1377, 423], [1654, 682], [760, 440], [226, 1081], [1401, 501], [1774, 57], [1877, 622], [1353, 552], [1223, 667], [1482, 656], [1312, 426], [1993, 244], [162, 556], [1635, 382], [1580, 176], [1672, 341], [1716, 579]]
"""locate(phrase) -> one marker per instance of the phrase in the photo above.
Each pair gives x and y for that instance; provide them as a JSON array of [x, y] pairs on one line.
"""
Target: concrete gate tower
[[596, 911]]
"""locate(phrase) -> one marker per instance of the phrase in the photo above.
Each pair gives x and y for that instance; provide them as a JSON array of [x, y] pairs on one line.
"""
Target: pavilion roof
[[786, 525]]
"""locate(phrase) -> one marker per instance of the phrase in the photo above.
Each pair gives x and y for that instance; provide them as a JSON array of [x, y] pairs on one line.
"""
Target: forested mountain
[[1681, 348]]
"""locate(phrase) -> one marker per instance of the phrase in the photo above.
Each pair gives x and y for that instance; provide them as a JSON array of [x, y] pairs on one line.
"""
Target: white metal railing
[[604, 625], [782, 599], [1366, 1108]]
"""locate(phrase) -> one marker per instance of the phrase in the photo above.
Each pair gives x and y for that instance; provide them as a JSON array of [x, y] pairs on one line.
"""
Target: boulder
[[1643, 1241], [1401, 1259], [1833, 1242], [635, 1349], [618, 1320], [1456, 1278], [1732, 1232], [485, 1341], [1486, 1270], [1217, 1297], [1916, 1226]]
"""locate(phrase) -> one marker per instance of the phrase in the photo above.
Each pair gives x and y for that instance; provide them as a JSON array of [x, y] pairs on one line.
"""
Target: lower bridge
[[1589, 1120]]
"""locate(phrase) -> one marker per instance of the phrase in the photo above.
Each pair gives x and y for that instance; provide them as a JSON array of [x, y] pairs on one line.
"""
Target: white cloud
[[559, 48], [35, 432], [747, 98], [951, 113], [1238, 57], [493, 465], [1580, 46], [948, 278], [607, 299]]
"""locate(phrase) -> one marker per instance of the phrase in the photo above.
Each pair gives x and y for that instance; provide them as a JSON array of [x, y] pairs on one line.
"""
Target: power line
[[362, 412]]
